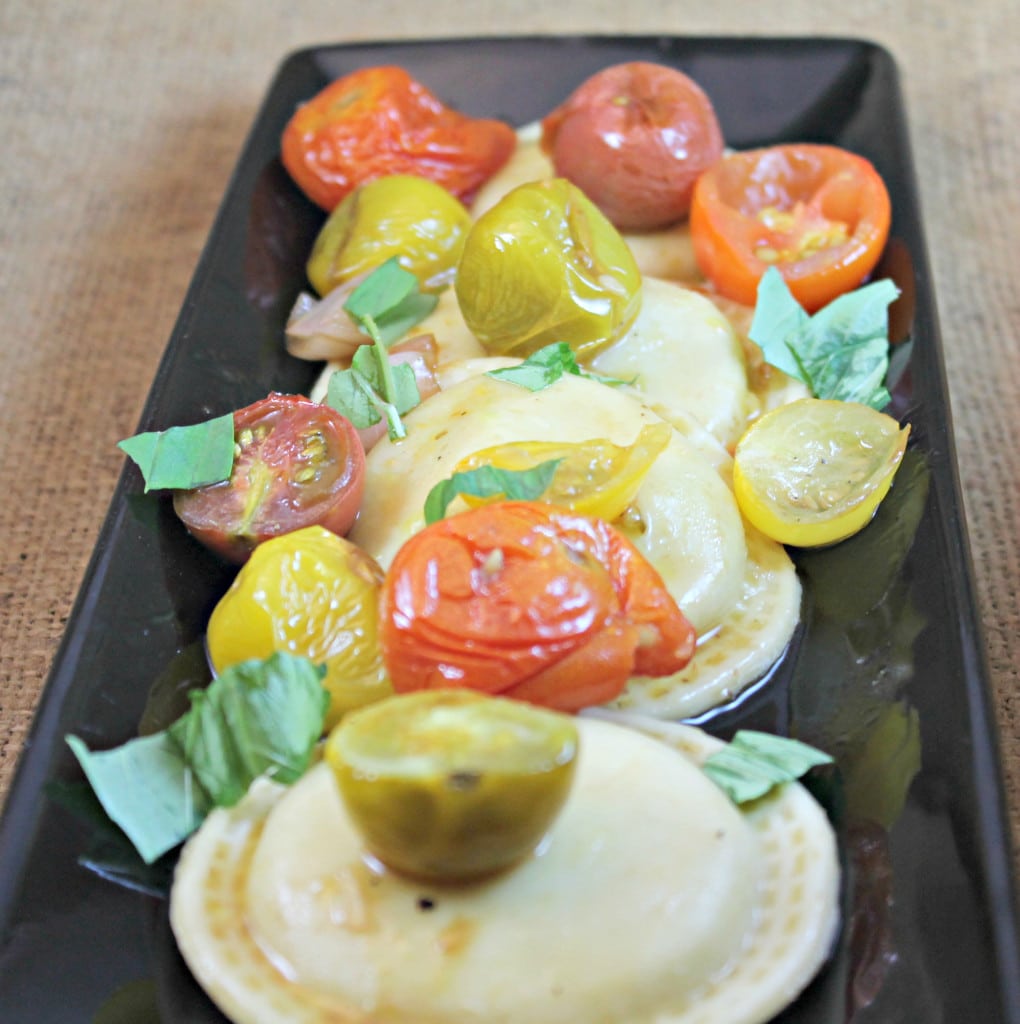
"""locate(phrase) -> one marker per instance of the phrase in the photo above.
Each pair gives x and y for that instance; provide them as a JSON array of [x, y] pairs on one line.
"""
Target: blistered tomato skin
[[530, 601], [378, 121], [309, 593], [400, 215], [544, 265], [296, 463], [634, 138], [819, 214]]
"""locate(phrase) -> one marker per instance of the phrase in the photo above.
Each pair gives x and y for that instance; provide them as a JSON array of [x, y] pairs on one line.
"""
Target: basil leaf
[[181, 458], [841, 353], [259, 717], [359, 393], [545, 367], [490, 482], [753, 763], [383, 289], [145, 788], [396, 322]]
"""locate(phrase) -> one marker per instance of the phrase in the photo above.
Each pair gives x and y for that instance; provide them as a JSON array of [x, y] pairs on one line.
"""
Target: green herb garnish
[[181, 458], [257, 718], [384, 306], [545, 367], [490, 482], [753, 763], [842, 352]]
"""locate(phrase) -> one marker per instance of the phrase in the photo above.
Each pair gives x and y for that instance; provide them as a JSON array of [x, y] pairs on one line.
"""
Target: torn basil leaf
[[182, 458], [257, 718], [753, 763], [391, 299], [545, 367], [842, 352], [490, 482]]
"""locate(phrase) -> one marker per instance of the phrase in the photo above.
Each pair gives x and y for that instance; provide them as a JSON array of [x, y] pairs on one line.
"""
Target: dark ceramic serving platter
[[887, 670]]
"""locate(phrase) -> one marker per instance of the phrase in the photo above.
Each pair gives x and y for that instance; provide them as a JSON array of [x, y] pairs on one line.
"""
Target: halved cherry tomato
[[530, 601], [634, 138], [819, 214], [378, 121], [296, 463]]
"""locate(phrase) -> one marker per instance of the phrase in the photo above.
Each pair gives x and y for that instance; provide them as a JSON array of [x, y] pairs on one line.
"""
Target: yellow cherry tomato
[[545, 265], [452, 785], [594, 478], [814, 471], [311, 593], [400, 215]]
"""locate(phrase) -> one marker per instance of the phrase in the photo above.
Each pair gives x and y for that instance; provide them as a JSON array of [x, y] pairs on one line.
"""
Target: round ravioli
[[684, 517], [685, 359], [651, 898]]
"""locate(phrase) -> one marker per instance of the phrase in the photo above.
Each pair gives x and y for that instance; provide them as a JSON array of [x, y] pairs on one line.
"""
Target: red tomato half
[[379, 121], [528, 601], [634, 138], [819, 214], [297, 463]]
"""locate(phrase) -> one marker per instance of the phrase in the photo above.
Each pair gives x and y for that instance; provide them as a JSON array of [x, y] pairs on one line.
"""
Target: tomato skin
[[531, 601], [829, 212], [297, 463], [379, 121], [634, 137], [312, 593]]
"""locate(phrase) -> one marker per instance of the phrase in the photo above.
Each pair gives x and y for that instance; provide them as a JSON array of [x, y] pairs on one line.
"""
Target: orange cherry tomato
[[634, 138], [296, 463], [819, 214], [528, 601], [379, 121]]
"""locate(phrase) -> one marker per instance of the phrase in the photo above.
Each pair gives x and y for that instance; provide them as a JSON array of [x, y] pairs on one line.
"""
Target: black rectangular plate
[[886, 671]]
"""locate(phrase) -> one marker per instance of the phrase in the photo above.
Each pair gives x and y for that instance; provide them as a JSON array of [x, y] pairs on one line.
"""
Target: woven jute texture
[[120, 123]]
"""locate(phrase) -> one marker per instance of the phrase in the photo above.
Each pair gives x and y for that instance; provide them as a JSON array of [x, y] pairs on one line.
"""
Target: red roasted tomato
[[634, 138], [297, 463], [529, 601], [379, 121]]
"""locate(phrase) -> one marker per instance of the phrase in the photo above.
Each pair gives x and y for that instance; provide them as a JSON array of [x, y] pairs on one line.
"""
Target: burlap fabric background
[[120, 122]]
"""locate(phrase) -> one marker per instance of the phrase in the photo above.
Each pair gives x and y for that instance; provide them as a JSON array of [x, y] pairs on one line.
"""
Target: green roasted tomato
[[400, 215], [544, 265]]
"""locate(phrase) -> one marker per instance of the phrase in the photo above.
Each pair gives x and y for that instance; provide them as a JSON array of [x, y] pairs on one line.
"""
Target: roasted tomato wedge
[[380, 120], [297, 463], [634, 138], [531, 601], [819, 214]]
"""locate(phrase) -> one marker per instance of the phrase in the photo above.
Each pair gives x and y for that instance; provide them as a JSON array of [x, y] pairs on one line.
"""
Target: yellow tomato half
[[594, 478], [813, 472]]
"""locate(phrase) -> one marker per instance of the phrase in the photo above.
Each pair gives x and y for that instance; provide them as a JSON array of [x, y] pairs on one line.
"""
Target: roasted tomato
[[634, 138], [485, 777], [545, 265], [819, 214], [312, 593], [530, 601], [296, 463], [400, 215], [378, 121]]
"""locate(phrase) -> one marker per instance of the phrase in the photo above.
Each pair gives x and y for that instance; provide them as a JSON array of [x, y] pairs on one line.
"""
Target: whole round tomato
[[529, 601], [817, 213], [311, 593], [400, 215], [296, 463], [545, 265], [380, 120], [634, 138]]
